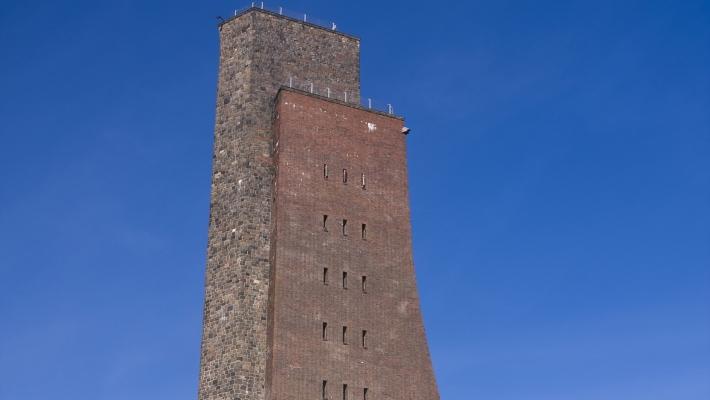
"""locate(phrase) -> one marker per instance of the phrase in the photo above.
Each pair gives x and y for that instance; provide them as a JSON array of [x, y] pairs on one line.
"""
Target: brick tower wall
[[258, 53], [393, 362]]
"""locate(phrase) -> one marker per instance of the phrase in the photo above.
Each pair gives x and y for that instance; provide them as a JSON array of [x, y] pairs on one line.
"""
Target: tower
[[309, 289]]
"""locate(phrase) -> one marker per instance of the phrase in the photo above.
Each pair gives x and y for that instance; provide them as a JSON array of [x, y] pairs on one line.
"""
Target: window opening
[[345, 175], [345, 280], [324, 395], [345, 392], [364, 394], [364, 339], [362, 177], [345, 224], [325, 276], [364, 284], [345, 335], [325, 220], [364, 231], [325, 171], [325, 331]]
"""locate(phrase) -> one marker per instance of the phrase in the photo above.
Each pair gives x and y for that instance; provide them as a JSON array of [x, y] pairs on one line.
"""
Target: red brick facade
[[317, 143]]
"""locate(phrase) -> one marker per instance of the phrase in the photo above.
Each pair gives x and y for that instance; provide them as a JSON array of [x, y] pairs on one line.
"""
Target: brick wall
[[313, 132]]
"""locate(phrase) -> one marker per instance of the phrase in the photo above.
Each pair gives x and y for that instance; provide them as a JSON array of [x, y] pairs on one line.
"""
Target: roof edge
[[336, 101], [286, 17]]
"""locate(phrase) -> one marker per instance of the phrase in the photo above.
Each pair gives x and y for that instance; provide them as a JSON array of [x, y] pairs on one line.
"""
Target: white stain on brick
[[371, 127]]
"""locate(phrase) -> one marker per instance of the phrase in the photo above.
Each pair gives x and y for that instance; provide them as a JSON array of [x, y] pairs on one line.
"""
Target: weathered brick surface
[[312, 132], [258, 52]]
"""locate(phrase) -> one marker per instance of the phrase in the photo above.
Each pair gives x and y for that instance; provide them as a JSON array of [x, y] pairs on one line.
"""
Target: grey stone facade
[[258, 53]]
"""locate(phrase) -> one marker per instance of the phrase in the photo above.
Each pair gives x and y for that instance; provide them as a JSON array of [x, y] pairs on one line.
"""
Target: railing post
[[290, 81], [304, 18], [281, 10], [369, 103], [346, 96], [389, 108], [262, 5], [311, 87], [328, 89]]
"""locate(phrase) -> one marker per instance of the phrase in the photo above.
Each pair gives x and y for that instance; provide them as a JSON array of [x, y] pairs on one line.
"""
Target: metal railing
[[341, 95], [305, 17]]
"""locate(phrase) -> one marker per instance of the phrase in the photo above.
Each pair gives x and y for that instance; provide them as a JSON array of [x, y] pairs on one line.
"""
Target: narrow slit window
[[324, 393], [364, 339], [364, 284], [325, 222], [345, 335], [345, 175], [345, 392], [345, 280], [325, 276], [364, 231], [324, 334], [345, 224], [364, 394], [362, 181], [325, 171]]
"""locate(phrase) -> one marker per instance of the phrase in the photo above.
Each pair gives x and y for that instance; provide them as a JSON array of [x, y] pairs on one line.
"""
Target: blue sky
[[560, 191]]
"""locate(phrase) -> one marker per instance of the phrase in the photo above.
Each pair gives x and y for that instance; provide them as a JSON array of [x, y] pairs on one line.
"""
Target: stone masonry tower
[[310, 288]]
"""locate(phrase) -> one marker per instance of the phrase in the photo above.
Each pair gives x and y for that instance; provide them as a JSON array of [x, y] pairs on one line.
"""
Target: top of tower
[[389, 114], [301, 18]]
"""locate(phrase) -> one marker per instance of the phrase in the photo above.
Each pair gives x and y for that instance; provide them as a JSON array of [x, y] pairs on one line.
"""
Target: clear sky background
[[560, 190]]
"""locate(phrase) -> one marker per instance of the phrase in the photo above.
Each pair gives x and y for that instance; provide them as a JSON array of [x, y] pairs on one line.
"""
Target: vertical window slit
[[364, 231], [345, 224], [325, 221], [364, 339], [364, 284], [324, 394], [362, 177], [364, 394], [324, 334], [345, 280], [325, 171], [345, 335], [345, 392], [325, 276], [345, 175]]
